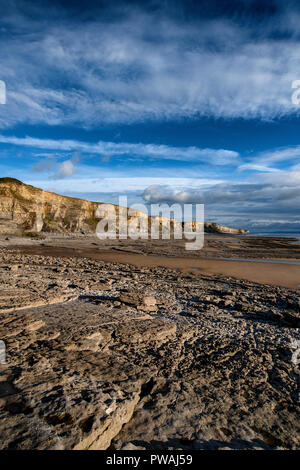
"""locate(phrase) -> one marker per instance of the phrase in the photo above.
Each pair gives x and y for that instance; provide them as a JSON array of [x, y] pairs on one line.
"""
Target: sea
[[276, 234]]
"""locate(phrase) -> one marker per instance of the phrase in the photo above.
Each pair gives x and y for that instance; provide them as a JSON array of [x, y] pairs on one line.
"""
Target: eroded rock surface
[[110, 356]]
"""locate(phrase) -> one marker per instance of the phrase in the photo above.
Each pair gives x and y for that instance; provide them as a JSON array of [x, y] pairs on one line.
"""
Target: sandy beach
[[280, 272]]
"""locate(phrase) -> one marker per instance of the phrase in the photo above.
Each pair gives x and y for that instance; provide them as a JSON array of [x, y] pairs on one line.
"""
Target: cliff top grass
[[8, 179]]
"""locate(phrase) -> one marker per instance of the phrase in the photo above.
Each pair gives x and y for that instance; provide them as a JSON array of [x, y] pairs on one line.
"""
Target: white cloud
[[279, 155], [266, 161], [56, 169], [257, 167], [65, 169], [215, 156]]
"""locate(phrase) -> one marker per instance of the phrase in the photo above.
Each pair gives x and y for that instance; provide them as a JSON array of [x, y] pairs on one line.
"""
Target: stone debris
[[146, 303], [93, 368]]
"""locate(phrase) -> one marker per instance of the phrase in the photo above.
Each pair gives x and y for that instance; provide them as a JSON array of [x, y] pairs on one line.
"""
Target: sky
[[162, 101]]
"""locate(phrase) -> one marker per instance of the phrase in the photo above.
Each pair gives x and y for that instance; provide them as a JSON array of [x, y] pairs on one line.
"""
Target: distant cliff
[[25, 208]]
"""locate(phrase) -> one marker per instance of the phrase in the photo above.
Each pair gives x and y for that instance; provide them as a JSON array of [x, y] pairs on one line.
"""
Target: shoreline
[[258, 271]]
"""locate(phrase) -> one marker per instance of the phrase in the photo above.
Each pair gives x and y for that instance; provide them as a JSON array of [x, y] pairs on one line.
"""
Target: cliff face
[[24, 207], [212, 227], [27, 208]]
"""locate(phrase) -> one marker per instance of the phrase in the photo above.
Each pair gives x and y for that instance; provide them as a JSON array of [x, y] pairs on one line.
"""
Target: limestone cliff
[[25, 208]]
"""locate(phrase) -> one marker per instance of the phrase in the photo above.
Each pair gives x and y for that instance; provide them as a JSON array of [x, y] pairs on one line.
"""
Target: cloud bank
[[271, 202]]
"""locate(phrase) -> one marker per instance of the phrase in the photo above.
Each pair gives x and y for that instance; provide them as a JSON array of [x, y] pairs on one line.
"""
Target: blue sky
[[164, 101]]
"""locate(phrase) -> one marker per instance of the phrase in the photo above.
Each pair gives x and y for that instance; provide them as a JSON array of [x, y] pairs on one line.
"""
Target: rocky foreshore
[[111, 356]]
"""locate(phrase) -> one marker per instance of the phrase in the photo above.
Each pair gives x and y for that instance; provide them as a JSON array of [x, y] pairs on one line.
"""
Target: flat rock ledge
[[107, 356]]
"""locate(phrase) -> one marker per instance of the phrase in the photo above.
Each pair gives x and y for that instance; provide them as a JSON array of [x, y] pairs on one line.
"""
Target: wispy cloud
[[257, 167], [108, 149], [267, 161], [45, 165], [109, 70], [278, 155]]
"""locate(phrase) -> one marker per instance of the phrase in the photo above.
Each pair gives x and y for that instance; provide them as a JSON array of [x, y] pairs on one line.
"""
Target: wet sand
[[276, 274]]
